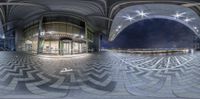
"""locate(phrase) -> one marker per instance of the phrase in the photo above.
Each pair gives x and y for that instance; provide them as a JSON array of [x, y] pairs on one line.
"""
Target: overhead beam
[[13, 21], [24, 4], [100, 17], [191, 4], [2, 34], [44, 13], [2, 15], [35, 16]]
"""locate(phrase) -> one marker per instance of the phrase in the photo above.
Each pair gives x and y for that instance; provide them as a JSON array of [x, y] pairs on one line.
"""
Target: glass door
[[67, 48]]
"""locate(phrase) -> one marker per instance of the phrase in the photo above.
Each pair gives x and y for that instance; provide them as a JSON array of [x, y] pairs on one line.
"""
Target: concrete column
[[79, 48], [72, 47], [97, 42], [19, 41], [68, 48], [50, 47], [59, 47], [39, 49], [86, 37]]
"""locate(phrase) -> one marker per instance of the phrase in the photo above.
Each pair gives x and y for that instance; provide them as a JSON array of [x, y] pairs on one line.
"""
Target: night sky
[[153, 33]]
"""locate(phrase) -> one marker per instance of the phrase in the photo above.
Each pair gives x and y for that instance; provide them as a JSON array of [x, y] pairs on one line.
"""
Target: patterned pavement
[[106, 75]]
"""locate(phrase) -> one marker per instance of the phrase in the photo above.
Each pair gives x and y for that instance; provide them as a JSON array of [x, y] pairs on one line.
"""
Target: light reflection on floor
[[100, 75]]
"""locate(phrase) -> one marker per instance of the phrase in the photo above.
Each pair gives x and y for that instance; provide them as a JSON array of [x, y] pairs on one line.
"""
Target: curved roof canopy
[[97, 13], [24, 11], [133, 14]]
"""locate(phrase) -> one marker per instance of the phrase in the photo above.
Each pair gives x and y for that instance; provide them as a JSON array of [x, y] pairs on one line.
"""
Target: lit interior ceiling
[[132, 14]]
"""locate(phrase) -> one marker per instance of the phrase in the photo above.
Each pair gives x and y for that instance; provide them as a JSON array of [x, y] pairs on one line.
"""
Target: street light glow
[[189, 19], [3, 37], [179, 15], [82, 36], [117, 30], [196, 29], [142, 14], [129, 18], [119, 27]]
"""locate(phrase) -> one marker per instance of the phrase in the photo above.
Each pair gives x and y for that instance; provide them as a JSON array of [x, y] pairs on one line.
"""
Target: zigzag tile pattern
[[153, 77], [105, 75], [97, 73], [21, 74], [155, 61]]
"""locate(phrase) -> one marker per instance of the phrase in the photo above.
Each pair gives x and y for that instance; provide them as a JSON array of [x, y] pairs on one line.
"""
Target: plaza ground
[[105, 75]]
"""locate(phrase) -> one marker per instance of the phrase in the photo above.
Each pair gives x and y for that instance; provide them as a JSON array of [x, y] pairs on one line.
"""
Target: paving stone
[[108, 75]]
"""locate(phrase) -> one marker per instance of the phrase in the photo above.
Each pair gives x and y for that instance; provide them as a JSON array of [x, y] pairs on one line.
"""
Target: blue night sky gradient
[[153, 33]]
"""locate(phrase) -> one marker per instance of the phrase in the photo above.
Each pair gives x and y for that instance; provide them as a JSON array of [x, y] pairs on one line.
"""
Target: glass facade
[[31, 39], [57, 37]]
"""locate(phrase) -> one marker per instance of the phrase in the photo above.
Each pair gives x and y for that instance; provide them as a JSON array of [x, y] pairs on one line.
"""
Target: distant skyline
[[153, 33]]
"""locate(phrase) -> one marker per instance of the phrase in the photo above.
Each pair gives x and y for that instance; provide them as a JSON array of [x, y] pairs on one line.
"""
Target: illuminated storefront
[[59, 37]]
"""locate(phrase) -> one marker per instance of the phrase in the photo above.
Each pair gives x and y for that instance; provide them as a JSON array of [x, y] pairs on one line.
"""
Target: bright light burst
[[118, 28], [129, 18], [196, 29], [142, 14], [189, 19], [179, 15], [3, 37]]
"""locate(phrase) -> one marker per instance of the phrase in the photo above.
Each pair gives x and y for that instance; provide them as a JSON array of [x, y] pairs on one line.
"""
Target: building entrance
[[63, 47], [67, 47]]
